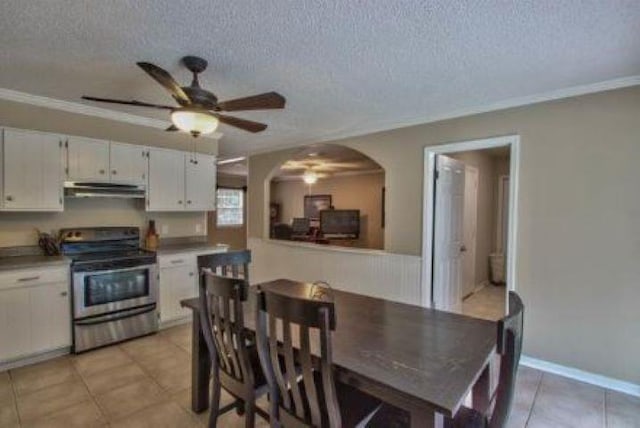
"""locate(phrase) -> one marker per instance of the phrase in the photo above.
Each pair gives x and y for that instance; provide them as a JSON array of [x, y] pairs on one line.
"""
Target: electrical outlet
[[165, 229], [198, 228]]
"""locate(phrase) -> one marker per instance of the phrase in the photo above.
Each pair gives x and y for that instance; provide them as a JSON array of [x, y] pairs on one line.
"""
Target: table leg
[[200, 368], [481, 391], [426, 418]]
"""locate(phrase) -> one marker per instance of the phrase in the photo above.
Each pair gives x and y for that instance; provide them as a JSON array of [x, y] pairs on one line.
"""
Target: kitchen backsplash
[[20, 228]]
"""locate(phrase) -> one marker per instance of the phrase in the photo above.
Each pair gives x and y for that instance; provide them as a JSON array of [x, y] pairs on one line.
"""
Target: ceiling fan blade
[[129, 103], [164, 78], [244, 124], [266, 101], [172, 128]]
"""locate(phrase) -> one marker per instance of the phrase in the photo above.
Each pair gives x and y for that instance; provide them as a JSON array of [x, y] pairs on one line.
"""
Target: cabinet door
[[176, 283], [87, 159], [15, 323], [200, 183], [165, 190], [32, 171], [50, 317], [128, 163]]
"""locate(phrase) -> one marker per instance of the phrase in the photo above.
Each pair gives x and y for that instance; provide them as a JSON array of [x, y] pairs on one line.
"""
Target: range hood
[[75, 189]]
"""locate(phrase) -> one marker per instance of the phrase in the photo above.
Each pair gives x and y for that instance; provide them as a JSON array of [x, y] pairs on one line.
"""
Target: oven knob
[[132, 231], [69, 234], [78, 234]]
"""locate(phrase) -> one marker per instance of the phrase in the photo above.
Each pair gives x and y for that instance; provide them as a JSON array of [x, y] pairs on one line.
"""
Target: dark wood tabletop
[[414, 357]]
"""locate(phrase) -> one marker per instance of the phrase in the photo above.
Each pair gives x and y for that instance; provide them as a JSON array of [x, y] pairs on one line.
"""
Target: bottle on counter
[[151, 239]]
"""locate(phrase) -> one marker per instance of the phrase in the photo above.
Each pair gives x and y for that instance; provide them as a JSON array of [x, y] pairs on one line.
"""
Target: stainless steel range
[[114, 285]]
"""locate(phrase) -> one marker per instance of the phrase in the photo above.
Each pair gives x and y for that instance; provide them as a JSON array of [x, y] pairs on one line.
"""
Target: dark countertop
[[183, 247], [32, 261]]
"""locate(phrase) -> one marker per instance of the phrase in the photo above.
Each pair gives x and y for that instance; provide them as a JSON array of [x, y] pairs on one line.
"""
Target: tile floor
[[145, 383], [486, 303]]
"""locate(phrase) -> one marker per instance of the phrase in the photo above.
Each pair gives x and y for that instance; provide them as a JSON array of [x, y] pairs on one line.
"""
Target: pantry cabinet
[[32, 171]]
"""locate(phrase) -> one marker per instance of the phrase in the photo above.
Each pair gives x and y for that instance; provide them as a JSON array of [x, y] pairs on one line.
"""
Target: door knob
[[463, 249], [63, 294]]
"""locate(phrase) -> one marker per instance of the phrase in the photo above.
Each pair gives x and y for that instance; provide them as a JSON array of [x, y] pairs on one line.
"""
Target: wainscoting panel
[[373, 273]]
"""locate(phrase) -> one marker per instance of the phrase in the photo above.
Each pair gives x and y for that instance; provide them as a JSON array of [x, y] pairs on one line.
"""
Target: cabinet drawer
[[181, 259], [27, 277]]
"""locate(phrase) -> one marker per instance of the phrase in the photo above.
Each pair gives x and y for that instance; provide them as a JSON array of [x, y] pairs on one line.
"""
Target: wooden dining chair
[[302, 389], [234, 264], [235, 362], [509, 347]]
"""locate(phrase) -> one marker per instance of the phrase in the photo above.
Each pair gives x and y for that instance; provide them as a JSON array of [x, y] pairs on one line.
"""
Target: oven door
[[104, 291]]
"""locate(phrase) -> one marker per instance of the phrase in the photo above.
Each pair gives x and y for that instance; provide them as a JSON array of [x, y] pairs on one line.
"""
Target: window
[[230, 207]]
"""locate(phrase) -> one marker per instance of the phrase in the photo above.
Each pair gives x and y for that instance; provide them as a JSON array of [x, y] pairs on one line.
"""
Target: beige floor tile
[[176, 360], [51, 399], [623, 411], [8, 414], [174, 379], [6, 388], [146, 346], [179, 336], [107, 380], [81, 415], [486, 303], [163, 415], [32, 378], [568, 402], [100, 359], [131, 398]]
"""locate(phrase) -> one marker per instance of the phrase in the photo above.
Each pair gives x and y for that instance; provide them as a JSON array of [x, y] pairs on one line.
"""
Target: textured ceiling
[[345, 66]]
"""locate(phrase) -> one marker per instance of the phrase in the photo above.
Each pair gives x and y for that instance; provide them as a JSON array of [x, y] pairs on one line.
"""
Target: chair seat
[[355, 405], [392, 417]]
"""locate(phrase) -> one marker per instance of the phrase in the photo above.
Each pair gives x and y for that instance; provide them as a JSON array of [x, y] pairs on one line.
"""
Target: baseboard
[[173, 323], [33, 359], [581, 375]]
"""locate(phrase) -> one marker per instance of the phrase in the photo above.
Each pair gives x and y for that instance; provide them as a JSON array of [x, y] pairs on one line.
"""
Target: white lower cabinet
[[178, 281], [35, 312]]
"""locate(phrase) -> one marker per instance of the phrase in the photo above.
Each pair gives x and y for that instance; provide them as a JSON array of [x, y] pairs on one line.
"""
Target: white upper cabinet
[[128, 163], [200, 183], [87, 159], [165, 191], [32, 165]]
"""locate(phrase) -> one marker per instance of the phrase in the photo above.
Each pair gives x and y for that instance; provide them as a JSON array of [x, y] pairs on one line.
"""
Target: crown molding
[[87, 110], [558, 94]]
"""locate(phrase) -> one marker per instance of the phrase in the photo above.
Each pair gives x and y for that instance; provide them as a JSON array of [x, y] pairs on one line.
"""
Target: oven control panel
[[97, 234]]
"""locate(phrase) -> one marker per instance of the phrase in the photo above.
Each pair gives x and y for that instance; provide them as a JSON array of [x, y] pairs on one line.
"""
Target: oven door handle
[[117, 316]]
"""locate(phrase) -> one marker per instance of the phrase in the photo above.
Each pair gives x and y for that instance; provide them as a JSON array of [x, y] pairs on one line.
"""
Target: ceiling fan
[[199, 110]]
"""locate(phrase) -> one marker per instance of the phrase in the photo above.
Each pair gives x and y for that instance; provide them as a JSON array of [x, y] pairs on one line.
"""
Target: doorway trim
[[430, 152]]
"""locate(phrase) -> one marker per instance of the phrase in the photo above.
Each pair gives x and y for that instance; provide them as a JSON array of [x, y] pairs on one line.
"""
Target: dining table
[[422, 360]]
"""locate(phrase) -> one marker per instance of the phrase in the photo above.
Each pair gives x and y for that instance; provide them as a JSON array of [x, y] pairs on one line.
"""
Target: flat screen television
[[340, 223]]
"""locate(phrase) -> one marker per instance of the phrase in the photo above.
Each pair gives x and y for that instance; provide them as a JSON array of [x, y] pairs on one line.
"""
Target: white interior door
[[448, 233], [470, 230]]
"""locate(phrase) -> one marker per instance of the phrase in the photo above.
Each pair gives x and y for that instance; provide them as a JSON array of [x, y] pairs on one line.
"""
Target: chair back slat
[[275, 362], [301, 400], [307, 373], [509, 347], [290, 369], [223, 329]]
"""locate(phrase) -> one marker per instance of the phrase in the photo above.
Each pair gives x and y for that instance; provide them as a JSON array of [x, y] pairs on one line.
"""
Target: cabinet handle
[[101, 171], [64, 294], [180, 202], [9, 198], [29, 278], [190, 273], [188, 202], [175, 262], [114, 172]]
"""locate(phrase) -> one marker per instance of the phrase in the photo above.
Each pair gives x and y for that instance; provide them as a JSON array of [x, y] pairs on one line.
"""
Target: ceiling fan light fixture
[[195, 121], [310, 177]]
